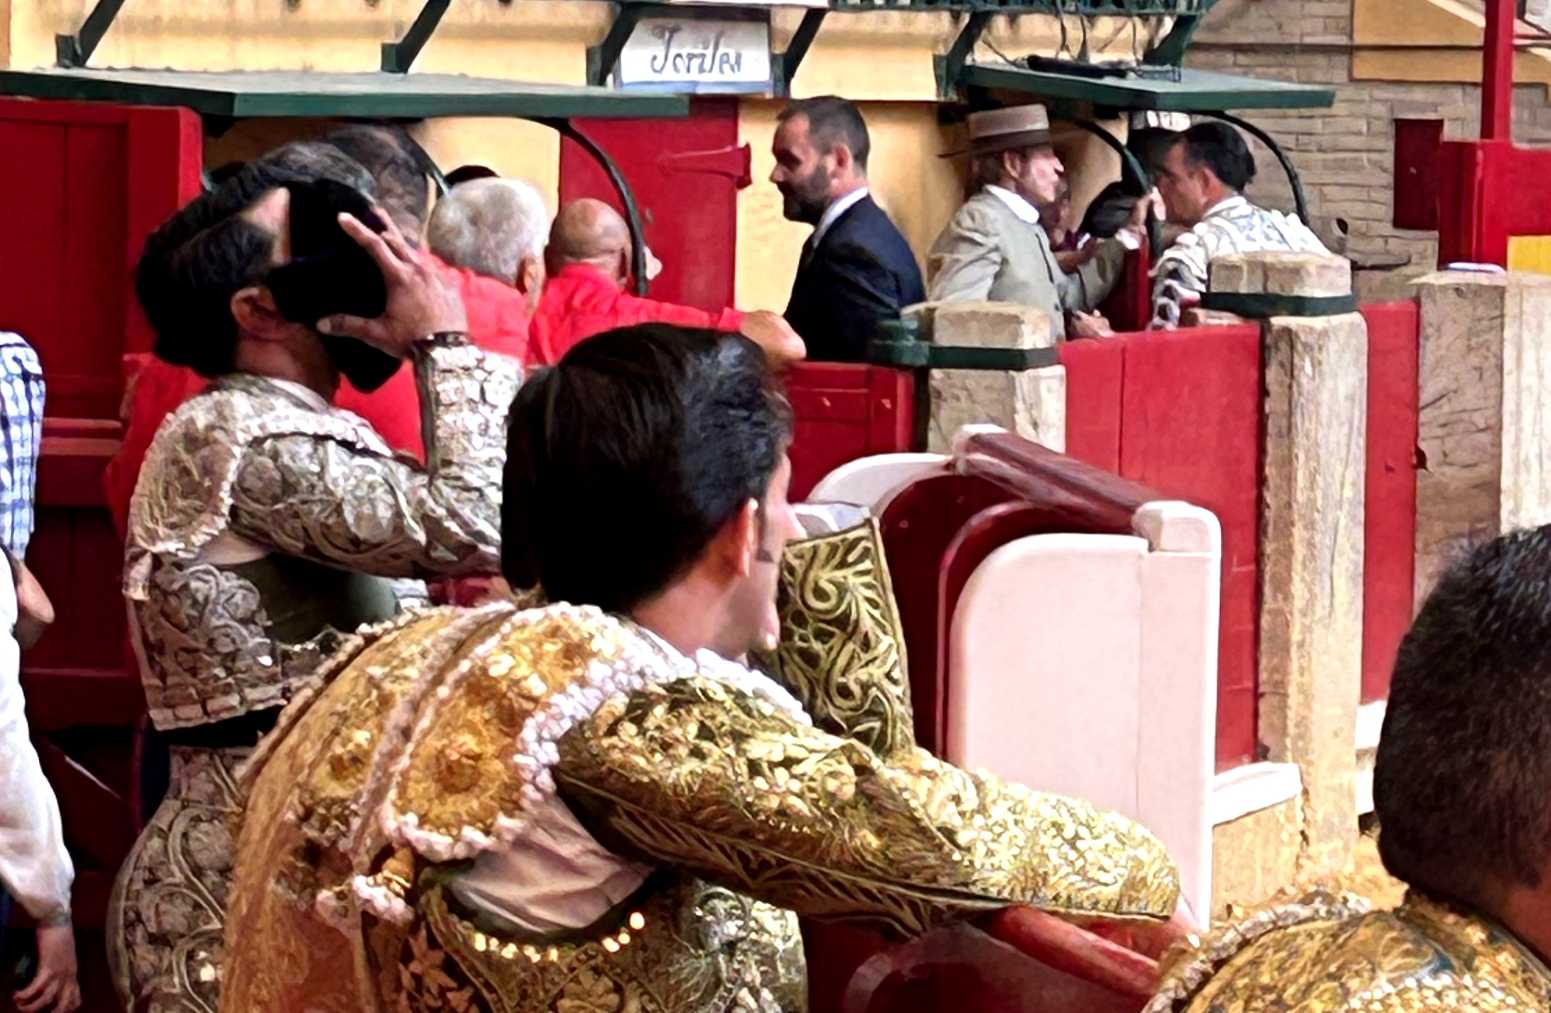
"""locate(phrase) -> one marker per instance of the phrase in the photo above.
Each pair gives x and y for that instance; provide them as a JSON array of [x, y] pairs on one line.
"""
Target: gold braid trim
[[699, 775], [842, 649]]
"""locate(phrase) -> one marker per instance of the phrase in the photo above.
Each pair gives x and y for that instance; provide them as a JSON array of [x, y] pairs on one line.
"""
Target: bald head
[[588, 231]]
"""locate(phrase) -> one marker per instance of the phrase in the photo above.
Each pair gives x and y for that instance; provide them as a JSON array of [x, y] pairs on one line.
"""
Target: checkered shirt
[[21, 436]]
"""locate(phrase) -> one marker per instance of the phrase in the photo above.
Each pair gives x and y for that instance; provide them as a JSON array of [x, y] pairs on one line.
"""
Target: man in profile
[[1462, 792], [856, 270], [589, 258], [1201, 179]]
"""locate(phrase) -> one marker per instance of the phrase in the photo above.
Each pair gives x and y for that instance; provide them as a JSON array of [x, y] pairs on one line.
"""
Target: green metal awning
[[327, 95], [1196, 91]]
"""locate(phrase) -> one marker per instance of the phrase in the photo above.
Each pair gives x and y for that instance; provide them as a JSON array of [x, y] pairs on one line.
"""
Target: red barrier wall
[[1389, 527], [844, 411], [1186, 407]]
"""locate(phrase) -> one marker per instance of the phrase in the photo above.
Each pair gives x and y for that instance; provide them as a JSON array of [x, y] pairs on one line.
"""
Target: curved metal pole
[[428, 165], [1299, 201], [1130, 166], [632, 214]]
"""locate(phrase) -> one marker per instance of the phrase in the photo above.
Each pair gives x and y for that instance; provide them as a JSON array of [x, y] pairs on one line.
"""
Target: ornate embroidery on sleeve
[[377, 513], [696, 774], [842, 650], [1330, 952]]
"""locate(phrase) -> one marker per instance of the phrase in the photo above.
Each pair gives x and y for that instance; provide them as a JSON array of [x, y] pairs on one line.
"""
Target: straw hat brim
[[1008, 142]]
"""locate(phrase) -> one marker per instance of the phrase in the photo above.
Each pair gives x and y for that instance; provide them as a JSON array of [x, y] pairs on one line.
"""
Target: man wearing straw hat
[[994, 247]]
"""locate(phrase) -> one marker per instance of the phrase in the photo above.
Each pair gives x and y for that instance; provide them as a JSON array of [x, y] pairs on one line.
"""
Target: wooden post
[[1497, 71]]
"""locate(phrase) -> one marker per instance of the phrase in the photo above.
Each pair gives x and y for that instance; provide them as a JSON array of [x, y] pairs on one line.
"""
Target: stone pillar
[[1484, 426], [1311, 542], [1031, 402]]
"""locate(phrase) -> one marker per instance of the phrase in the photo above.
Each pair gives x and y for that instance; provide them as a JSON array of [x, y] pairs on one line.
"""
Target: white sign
[[697, 54]]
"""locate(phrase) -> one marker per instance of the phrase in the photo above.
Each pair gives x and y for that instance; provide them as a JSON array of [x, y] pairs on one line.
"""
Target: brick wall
[[1344, 154]]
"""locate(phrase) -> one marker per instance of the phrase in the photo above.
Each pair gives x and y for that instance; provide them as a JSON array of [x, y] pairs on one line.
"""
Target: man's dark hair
[[1462, 784], [396, 163], [833, 120], [1151, 146], [1222, 149], [1109, 212], [625, 459], [195, 261]]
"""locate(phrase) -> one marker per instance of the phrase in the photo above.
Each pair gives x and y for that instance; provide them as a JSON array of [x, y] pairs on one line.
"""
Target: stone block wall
[[1345, 154]]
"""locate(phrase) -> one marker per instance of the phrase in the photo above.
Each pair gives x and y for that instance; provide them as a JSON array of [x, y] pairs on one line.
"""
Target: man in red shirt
[[589, 266]]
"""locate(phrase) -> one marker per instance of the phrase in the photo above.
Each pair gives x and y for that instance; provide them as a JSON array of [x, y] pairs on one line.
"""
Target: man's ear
[[738, 541], [841, 153], [530, 279], [254, 310]]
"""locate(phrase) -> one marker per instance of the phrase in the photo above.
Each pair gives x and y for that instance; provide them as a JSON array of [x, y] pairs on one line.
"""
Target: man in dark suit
[[856, 269]]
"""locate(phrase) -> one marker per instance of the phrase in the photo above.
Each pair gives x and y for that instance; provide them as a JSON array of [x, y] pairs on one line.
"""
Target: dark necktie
[[808, 250]]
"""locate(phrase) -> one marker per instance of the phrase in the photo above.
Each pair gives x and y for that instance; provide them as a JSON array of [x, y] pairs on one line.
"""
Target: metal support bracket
[[784, 68], [949, 67], [1300, 201], [1171, 48], [602, 58], [75, 50], [398, 57]]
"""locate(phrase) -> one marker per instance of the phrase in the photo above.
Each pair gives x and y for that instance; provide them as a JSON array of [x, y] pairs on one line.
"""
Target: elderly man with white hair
[[495, 227]]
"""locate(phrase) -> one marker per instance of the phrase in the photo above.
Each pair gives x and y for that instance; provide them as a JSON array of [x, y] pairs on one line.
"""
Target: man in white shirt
[[994, 248], [1201, 180], [35, 868]]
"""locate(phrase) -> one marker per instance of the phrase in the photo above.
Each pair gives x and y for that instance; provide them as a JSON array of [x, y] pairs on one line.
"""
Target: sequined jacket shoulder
[[693, 771], [256, 461], [1330, 953]]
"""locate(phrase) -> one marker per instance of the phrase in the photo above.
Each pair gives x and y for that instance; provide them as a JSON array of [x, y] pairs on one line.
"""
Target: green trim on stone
[[1261, 305]]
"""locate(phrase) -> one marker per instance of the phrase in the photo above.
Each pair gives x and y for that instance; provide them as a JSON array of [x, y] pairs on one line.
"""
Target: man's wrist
[[55, 919]]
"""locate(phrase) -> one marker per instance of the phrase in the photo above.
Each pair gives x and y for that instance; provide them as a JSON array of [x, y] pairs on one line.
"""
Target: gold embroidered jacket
[[439, 737], [1329, 953], [256, 468]]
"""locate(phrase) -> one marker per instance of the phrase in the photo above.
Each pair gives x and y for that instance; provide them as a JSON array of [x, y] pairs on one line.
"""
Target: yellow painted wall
[[882, 59], [1427, 26], [1529, 253]]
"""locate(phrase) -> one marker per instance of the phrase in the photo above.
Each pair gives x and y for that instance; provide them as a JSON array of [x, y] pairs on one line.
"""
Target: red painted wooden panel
[[1481, 188], [1129, 305], [1017, 960], [843, 411], [1191, 428], [919, 524], [34, 287], [685, 176], [165, 159], [1416, 173], [95, 180], [1094, 370], [1389, 527]]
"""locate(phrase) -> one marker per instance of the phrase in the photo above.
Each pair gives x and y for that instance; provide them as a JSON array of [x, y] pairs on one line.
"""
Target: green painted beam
[[1196, 91], [242, 94]]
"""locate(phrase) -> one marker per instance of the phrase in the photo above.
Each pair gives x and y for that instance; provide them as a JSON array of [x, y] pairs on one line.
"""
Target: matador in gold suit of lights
[[415, 818]]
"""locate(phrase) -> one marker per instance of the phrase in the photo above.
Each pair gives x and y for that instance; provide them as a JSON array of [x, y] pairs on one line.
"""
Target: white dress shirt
[[35, 868], [834, 211], [555, 876]]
